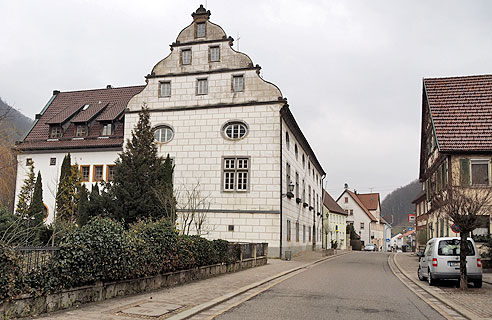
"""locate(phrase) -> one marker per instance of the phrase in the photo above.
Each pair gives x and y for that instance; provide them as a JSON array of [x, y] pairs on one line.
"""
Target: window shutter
[[464, 172]]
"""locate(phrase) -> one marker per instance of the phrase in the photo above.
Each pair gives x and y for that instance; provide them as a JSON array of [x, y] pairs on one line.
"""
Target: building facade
[[367, 223], [456, 146], [334, 224], [236, 147], [87, 124]]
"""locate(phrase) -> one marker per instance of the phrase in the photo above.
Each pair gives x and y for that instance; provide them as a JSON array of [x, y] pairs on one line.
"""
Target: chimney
[[109, 86], [38, 116], [55, 92]]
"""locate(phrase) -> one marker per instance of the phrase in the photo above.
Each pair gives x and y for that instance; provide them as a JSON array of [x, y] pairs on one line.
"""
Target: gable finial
[[201, 14]]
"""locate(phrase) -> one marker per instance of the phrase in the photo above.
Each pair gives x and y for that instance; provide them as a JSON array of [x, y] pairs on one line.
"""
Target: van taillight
[[434, 262], [479, 263]]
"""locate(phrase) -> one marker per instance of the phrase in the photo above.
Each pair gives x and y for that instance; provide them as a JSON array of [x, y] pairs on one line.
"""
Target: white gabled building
[[227, 130], [232, 133]]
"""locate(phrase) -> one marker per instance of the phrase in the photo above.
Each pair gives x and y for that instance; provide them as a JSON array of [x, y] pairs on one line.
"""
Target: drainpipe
[[323, 244], [280, 194]]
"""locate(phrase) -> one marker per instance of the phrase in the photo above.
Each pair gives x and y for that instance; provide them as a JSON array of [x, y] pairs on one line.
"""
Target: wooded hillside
[[399, 202]]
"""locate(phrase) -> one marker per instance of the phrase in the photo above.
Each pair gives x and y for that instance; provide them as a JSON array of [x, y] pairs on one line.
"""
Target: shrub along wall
[[103, 250]]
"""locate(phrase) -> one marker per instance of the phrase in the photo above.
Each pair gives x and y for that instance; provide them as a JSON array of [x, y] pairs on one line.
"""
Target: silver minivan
[[441, 260]]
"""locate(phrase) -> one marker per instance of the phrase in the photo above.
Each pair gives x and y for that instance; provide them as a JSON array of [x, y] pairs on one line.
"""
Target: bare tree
[[463, 206], [193, 207]]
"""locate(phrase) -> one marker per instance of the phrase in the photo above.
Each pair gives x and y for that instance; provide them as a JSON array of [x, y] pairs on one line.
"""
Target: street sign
[[388, 240], [409, 228], [455, 228]]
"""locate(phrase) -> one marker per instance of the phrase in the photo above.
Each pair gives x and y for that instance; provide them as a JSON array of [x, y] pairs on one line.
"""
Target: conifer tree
[[36, 209], [26, 193], [82, 214], [68, 191], [138, 172]]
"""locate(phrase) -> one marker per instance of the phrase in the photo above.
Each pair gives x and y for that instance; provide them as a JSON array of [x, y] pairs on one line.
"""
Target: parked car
[[370, 247], [441, 260]]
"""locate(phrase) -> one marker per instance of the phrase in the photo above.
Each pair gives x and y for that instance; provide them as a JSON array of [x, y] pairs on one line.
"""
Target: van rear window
[[452, 248]]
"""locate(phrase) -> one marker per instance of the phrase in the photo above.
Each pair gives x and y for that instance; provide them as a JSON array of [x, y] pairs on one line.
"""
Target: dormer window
[[200, 30], [107, 129], [186, 56], [56, 132], [81, 131]]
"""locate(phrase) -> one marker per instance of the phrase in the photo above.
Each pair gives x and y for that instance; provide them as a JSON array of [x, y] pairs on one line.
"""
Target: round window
[[235, 130], [163, 134]]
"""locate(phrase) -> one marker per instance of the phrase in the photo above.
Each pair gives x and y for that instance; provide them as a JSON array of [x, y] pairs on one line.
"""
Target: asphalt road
[[359, 285]]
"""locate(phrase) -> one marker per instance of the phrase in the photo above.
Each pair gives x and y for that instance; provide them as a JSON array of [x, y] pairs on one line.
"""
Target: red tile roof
[[370, 200], [361, 205], [62, 108], [461, 109], [331, 204], [89, 113]]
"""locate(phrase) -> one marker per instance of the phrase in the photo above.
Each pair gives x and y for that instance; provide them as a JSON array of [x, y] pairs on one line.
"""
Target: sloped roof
[[331, 204], [89, 113], [64, 105], [461, 110], [361, 205], [370, 200]]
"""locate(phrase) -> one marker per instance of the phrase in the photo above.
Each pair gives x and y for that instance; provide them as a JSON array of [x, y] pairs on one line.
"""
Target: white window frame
[[186, 57], [239, 130], [214, 53], [166, 133], [106, 127], [81, 130], [202, 86], [238, 83], [164, 89], [199, 32], [236, 174]]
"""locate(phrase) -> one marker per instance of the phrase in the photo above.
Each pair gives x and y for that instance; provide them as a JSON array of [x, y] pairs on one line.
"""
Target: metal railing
[[240, 251], [35, 257]]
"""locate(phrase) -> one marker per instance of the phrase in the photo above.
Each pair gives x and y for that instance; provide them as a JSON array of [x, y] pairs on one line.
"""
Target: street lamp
[[290, 190]]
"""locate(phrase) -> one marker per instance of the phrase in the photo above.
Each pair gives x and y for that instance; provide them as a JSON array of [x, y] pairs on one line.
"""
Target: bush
[[10, 273], [102, 250]]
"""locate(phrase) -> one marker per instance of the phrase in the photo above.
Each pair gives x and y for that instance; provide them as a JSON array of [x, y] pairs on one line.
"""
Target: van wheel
[[432, 281], [477, 283], [419, 273]]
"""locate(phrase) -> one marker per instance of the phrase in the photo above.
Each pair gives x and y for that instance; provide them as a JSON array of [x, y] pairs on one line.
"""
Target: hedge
[[102, 250]]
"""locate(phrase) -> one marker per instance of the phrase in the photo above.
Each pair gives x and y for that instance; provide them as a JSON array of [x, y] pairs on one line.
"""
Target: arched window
[[163, 134], [235, 130]]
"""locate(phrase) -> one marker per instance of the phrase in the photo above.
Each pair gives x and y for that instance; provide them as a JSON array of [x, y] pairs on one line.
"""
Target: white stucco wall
[[358, 217], [51, 174]]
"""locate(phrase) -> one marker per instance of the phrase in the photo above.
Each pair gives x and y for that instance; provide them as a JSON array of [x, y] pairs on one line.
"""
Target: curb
[[212, 303], [439, 297]]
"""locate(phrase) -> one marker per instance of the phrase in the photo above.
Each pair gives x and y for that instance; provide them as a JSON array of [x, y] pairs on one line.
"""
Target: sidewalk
[[167, 302], [474, 301]]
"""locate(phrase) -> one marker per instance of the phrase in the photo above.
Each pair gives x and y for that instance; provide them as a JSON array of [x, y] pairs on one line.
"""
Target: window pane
[[202, 86], [165, 89], [214, 54], [163, 134], [238, 83], [186, 56], [480, 173], [200, 30]]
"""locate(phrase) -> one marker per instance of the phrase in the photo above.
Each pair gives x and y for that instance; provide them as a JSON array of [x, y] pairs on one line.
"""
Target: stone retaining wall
[[27, 305]]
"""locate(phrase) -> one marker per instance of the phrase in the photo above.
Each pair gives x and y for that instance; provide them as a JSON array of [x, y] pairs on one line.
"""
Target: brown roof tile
[[89, 113], [63, 106], [331, 204], [461, 109], [361, 205], [370, 200]]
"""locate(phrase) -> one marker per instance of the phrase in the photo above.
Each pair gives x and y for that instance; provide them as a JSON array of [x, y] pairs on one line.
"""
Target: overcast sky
[[351, 70]]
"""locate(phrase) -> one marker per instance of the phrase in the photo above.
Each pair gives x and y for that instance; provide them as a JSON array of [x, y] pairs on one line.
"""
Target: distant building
[[364, 213], [334, 224]]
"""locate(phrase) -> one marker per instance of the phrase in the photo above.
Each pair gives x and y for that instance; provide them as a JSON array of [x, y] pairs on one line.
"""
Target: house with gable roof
[[334, 223], [89, 124], [228, 131], [456, 144], [367, 223]]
